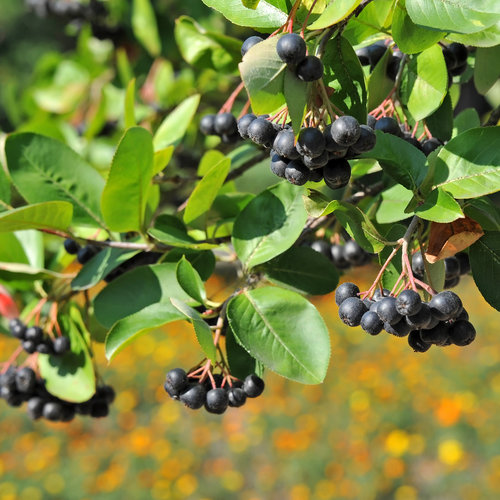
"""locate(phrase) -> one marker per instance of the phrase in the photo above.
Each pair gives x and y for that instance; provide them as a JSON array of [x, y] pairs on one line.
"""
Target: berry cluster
[[442, 321], [195, 394], [19, 385], [83, 254], [343, 256], [33, 339], [316, 155], [454, 267]]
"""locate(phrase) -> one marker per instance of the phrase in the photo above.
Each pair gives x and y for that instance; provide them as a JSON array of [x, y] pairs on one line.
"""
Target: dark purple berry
[[243, 124], [261, 131], [194, 396], [52, 410], [25, 380], [380, 294], [249, 43], [321, 246], [297, 173], [317, 162], [430, 145], [316, 175], [344, 291], [445, 305], [366, 142], [421, 319], [291, 48], [99, 409], [278, 164], [236, 397], [310, 142], [216, 401], [253, 386], [34, 407], [416, 342], [451, 268], [462, 333], [61, 345], [463, 262], [284, 145], [225, 123], [351, 311], [387, 311], [363, 56], [17, 328], [399, 329], [310, 69], [388, 125], [417, 264], [29, 346], [371, 323], [337, 173], [346, 131], [437, 335], [338, 257], [34, 333], [353, 253], [71, 246], [176, 381], [207, 125], [408, 303]]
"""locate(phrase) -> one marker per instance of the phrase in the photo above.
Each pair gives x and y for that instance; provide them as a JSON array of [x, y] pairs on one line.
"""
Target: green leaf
[[204, 49], [205, 192], [70, 376], [171, 231], [145, 27], [5, 188], [201, 329], [124, 198], [283, 331], [162, 158], [209, 160], [240, 362], [468, 166], [304, 270], [358, 225], [454, 15], [485, 212], [424, 82], [136, 290], [128, 329], [410, 37], [437, 275], [269, 224], [174, 126], [336, 11], [465, 120], [190, 281], [130, 105], [379, 84], [392, 205], [270, 83], [344, 74], [268, 14], [486, 68], [486, 38], [439, 206], [296, 93], [11, 249], [44, 169], [373, 19], [440, 123], [54, 215], [203, 261], [399, 159], [100, 266], [32, 245], [484, 258]]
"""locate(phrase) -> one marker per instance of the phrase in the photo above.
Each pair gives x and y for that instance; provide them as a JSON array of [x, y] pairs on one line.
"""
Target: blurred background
[[386, 424]]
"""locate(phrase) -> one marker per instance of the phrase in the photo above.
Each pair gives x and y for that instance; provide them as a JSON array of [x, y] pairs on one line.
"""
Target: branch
[[246, 166]]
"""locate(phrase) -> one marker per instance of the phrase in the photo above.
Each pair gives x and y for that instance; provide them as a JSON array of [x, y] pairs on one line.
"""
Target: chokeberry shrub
[[338, 148]]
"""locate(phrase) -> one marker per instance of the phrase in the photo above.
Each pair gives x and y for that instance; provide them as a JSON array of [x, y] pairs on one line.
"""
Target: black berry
[[284, 145], [346, 130], [416, 342], [387, 311], [291, 48], [344, 291], [297, 173], [194, 396], [71, 246], [408, 303], [249, 43], [371, 323], [207, 125], [261, 131], [243, 124], [225, 123], [310, 142], [310, 69], [388, 125], [253, 386], [351, 311], [236, 397], [216, 401], [337, 173]]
